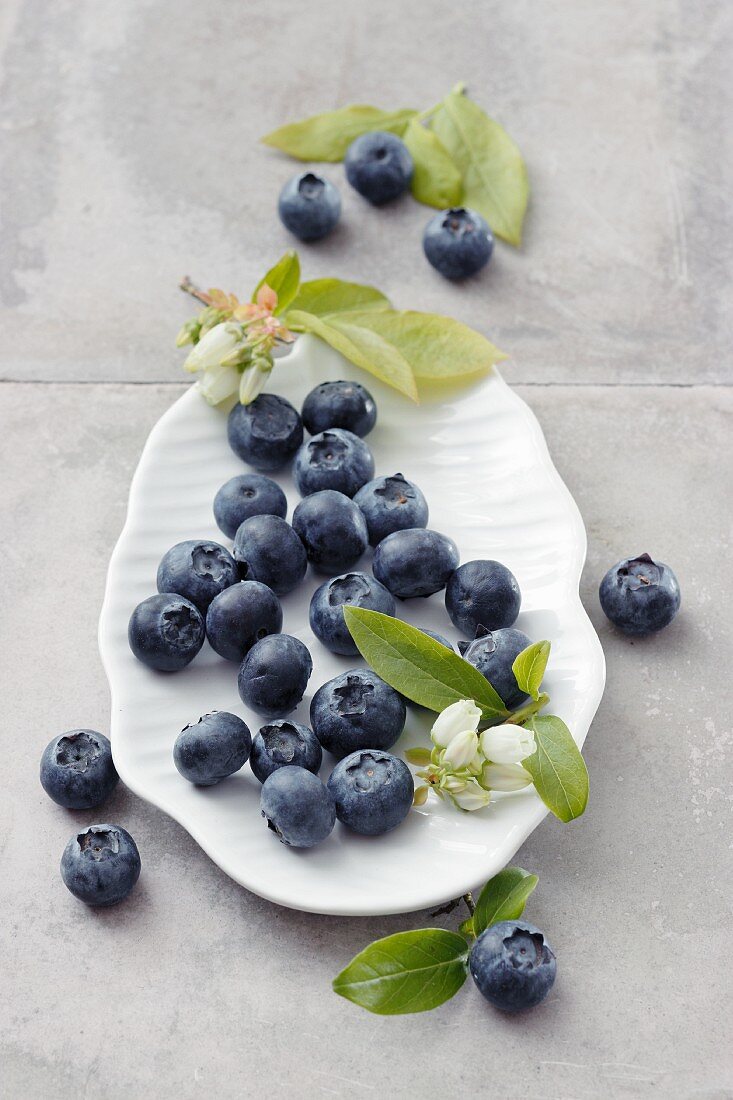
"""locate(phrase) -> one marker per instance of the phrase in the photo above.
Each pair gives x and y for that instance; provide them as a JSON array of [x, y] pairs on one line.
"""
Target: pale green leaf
[[327, 136], [494, 174], [418, 756], [557, 767], [529, 668], [503, 898], [326, 296], [284, 279], [406, 972], [436, 180]]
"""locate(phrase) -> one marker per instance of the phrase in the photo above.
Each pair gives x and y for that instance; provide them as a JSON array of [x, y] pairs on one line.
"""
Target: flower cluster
[[465, 766]]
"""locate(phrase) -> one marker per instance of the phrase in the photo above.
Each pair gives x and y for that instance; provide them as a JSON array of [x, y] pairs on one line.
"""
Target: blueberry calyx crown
[[458, 221], [639, 572], [310, 186], [77, 751]]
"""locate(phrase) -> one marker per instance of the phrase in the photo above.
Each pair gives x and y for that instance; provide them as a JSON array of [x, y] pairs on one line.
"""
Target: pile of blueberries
[[457, 242]]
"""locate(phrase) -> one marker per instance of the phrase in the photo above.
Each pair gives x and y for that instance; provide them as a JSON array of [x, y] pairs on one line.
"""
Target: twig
[[190, 288]]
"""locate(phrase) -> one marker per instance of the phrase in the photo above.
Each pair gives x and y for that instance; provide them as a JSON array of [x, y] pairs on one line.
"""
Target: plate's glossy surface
[[481, 459]]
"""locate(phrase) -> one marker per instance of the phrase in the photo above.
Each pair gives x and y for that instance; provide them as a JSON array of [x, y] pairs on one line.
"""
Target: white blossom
[[507, 744], [458, 717], [505, 777]]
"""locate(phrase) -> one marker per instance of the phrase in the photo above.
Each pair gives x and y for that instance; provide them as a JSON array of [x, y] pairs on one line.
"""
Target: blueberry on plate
[[334, 459], [244, 496], [513, 965], [482, 593], [493, 653], [458, 243], [197, 570], [437, 637], [332, 529], [327, 608], [101, 864], [166, 632], [373, 791], [297, 807], [379, 166], [267, 549], [640, 595], [266, 433], [240, 616], [309, 206], [357, 710], [274, 675], [415, 562], [282, 743], [391, 504], [209, 750], [77, 770], [339, 405]]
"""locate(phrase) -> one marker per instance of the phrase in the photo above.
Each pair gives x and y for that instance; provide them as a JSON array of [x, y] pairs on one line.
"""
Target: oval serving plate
[[480, 457]]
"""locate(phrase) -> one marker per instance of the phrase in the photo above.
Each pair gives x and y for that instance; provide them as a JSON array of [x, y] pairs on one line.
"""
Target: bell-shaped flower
[[459, 716], [219, 383], [218, 343], [507, 744], [504, 777], [254, 379], [472, 798], [460, 751]]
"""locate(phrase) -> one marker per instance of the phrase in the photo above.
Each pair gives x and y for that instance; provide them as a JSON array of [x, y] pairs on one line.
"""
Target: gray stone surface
[[196, 988]]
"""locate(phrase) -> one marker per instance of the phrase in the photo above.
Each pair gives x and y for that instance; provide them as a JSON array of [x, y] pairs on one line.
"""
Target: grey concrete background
[[128, 157]]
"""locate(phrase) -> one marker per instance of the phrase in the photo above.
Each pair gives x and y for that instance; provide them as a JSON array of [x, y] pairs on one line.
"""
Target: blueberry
[[240, 616], [244, 496], [267, 549], [458, 243], [493, 653], [391, 504], [379, 166], [373, 791], [513, 965], [297, 807], [266, 433], [77, 770], [309, 206], [437, 637], [339, 405], [326, 609], [275, 674], [209, 750], [332, 529], [282, 743], [166, 632], [357, 710], [415, 562], [482, 593], [101, 864], [335, 459], [640, 595], [197, 570]]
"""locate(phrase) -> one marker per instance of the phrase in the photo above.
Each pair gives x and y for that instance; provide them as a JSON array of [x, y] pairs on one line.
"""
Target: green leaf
[[327, 136], [557, 767], [529, 668], [503, 898], [406, 972], [417, 666], [361, 346], [435, 346], [284, 279], [322, 297], [436, 180], [420, 757], [494, 174]]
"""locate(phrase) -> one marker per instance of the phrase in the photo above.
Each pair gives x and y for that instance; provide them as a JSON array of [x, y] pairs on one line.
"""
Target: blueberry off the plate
[[309, 206], [458, 243], [100, 865], [639, 595], [77, 770], [513, 965], [379, 166]]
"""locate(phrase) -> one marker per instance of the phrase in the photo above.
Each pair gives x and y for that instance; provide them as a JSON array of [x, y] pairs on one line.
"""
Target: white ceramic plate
[[480, 457]]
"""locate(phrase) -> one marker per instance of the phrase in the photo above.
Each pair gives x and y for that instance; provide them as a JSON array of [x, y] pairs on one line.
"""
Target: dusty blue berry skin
[[482, 593], [244, 496], [327, 608], [267, 549], [241, 616], [493, 653], [309, 206], [166, 632], [339, 405], [77, 770], [100, 865], [373, 791], [280, 744], [639, 595], [274, 675], [332, 529], [297, 807], [391, 504], [266, 433], [458, 243], [415, 562], [513, 965], [197, 570], [357, 710], [379, 166], [209, 750], [334, 459], [437, 637]]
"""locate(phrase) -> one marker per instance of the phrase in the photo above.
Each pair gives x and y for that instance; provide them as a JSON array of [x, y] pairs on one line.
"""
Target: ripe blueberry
[[166, 632], [391, 504], [373, 791], [267, 549], [101, 864], [274, 675], [197, 570], [77, 770], [332, 529], [458, 243], [297, 807], [640, 595], [339, 405], [415, 562], [513, 965], [240, 616], [493, 654], [309, 206], [482, 593], [244, 496], [266, 433], [327, 604], [334, 459], [209, 750], [379, 166], [357, 710], [282, 743]]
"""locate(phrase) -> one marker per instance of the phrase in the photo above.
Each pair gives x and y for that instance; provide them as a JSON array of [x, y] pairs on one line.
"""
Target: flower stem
[[190, 288], [525, 712], [468, 898]]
